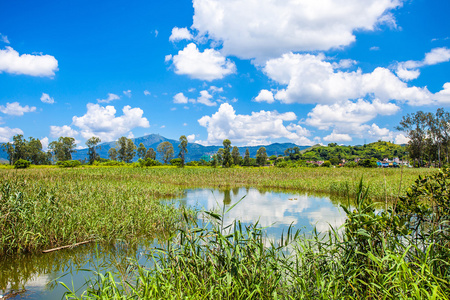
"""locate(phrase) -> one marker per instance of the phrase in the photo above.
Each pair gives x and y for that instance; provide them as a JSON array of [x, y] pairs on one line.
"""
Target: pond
[[35, 276]]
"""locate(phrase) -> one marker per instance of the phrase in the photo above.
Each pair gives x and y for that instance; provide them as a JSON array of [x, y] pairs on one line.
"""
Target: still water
[[36, 276]]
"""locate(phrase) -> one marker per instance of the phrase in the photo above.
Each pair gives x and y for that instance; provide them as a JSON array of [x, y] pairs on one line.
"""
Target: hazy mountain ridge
[[195, 151]]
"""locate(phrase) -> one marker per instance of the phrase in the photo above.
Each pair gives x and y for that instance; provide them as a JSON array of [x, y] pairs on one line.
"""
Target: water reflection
[[33, 276], [275, 210]]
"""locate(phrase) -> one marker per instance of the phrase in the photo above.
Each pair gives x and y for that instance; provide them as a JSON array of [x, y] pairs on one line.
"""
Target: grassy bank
[[49, 207]]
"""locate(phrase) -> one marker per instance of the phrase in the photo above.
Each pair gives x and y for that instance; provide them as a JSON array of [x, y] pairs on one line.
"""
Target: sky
[[252, 71]]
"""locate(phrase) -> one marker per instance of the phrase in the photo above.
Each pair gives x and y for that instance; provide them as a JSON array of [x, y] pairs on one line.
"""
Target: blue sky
[[255, 72]]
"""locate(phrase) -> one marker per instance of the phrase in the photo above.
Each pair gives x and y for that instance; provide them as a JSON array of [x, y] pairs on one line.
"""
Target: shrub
[[177, 162], [21, 164], [68, 163], [148, 162], [326, 164]]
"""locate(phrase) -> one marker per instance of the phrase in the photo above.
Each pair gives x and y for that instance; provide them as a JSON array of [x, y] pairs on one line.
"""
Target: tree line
[[429, 137]]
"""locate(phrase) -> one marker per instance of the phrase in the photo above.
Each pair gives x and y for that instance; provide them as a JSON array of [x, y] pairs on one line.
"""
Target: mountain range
[[195, 151]]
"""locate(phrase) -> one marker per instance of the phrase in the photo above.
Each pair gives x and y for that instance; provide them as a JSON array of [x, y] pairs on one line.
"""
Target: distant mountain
[[195, 151]]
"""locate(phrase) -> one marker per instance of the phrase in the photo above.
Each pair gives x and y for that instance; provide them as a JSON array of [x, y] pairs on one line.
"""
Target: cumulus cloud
[[179, 34], [265, 96], [254, 129], [408, 70], [65, 130], [208, 65], [180, 98], [147, 93], [401, 139], [337, 137], [267, 28], [7, 133], [47, 99], [191, 138], [443, 96], [102, 122], [348, 115], [111, 97], [205, 98], [44, 143], [311, 79], [15, 109], [27, 64]]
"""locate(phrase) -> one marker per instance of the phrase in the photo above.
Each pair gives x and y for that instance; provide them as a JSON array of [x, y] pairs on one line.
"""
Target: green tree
[[261, 156], [126, 149], [165, 150], [112, 153], [9, 149], [141, 151], [63, 148], [236, 156], [92, 144], [227, 161], [150, 154], [247, 158], [183, 149], [219, 156], [415, 126]]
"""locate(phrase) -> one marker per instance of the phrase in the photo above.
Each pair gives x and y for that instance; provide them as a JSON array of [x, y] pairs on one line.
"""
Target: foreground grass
[[50, 207]]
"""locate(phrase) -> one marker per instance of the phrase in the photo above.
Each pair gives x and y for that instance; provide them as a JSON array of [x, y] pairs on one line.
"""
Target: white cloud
[[168, 58], [191, 138], [179, 34], [4, 39], [44, 143], [27, 64], [408, 70], [215, 89], [208, 65], [348, 115], [406, 74], [311, 79], [47, 99], [180, 98], [374, 48], [127, 93], [102, 121], [254, 129], [265, 96], [7, 133], [111, 97], [205, 98], [267, 28], [401, 139], [337, 137], [443, 96], [147, 93], [15, 109], [436, 56], [378, 133], [65, 130]]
